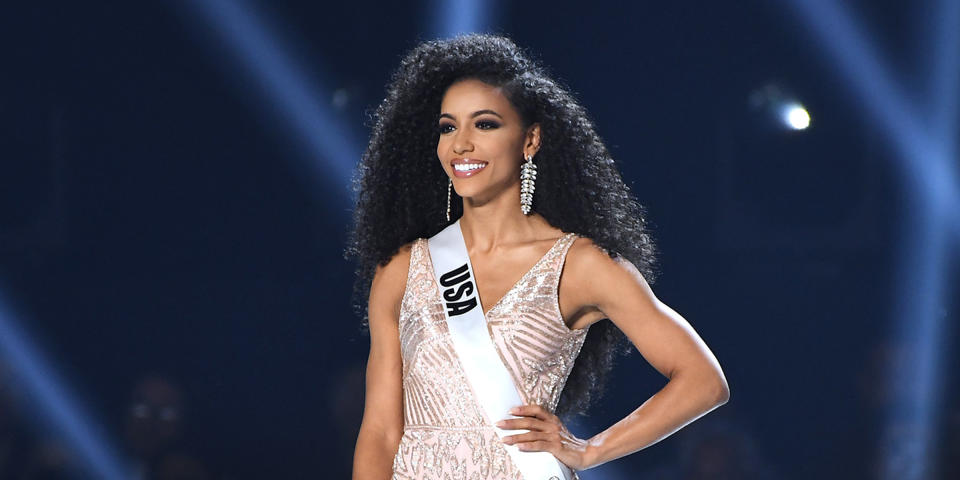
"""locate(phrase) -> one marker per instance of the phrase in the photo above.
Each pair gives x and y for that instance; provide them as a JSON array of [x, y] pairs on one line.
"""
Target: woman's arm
[[601, 287], [382, 424], [664, 338]]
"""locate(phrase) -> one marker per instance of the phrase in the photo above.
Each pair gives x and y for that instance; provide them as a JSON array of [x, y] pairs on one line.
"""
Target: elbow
[[721, 391], [711, 390], [709, 387]]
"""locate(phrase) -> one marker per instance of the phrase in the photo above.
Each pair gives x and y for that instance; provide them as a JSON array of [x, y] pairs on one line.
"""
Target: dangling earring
[[449, 186], [528, 175]]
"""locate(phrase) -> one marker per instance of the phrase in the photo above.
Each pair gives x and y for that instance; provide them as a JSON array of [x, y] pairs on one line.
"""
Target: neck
[[487, 225]]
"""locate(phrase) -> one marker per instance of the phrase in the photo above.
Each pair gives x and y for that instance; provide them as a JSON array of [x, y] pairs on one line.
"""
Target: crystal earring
[[449, 186], [528, 175]]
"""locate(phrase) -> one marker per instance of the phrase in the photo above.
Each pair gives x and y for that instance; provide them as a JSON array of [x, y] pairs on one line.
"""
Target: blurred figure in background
[[716, 448], [153, 430]]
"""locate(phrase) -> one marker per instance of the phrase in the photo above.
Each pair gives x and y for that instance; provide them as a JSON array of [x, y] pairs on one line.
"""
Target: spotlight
[[775, 104], [795, 116], [931, 181]]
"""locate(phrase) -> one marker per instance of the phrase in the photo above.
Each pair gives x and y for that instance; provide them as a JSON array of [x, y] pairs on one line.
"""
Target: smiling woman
[[474, 141], [486, 330]]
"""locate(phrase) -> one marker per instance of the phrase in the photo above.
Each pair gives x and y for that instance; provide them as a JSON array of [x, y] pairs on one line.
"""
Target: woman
[[476, 151]]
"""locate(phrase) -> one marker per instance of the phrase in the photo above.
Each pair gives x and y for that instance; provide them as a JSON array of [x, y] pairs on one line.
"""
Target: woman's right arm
[[382, 424]]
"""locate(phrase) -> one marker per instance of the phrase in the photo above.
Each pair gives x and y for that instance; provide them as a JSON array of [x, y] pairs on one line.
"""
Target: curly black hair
[[579, 188]]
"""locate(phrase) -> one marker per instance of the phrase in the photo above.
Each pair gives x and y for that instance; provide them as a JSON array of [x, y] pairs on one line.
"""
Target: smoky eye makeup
[[445, 127]]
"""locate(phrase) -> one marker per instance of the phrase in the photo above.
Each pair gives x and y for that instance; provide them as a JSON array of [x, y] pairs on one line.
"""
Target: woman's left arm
[[665, 339]]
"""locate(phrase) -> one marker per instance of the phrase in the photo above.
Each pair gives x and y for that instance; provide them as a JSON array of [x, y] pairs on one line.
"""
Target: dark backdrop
[[156, 219]]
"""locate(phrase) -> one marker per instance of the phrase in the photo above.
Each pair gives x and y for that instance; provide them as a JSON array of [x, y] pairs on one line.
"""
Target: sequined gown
[[446, 434]]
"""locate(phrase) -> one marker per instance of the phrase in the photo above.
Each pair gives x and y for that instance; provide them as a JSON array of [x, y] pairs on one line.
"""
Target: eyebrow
[[474, 114]]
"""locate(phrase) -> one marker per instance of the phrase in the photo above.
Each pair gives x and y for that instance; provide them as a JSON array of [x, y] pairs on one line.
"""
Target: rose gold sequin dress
[[446, 434]]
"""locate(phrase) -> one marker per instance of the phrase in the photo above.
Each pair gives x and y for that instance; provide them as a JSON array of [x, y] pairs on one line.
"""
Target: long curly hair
[[401, 187]]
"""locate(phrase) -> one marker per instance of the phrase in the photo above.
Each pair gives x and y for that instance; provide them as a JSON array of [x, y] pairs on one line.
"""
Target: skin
[[503, 244]]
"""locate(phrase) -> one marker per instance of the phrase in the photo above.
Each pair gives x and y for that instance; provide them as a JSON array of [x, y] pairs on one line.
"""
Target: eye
[[487, 125], [443, 128]]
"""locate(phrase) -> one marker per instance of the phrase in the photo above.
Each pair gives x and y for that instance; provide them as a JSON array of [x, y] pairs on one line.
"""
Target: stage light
[[926, 157], [776, 104], [795, 116], [454, 17], [309, 109], [56, 408]]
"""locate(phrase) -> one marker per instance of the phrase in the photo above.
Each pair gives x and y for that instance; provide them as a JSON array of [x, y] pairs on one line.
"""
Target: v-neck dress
[[446, 433]]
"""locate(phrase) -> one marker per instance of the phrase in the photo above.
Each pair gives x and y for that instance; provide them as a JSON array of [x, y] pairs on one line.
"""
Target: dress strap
[[565, 243]]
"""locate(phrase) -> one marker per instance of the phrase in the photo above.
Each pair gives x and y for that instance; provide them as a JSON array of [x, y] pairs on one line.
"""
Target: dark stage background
[[171, 245]]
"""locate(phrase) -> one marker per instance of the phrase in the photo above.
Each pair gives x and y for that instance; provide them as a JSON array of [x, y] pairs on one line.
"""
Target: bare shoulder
[[390, 281], [588, 261]]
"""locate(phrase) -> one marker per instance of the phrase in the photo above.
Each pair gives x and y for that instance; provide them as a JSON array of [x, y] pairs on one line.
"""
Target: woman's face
[[478, 126]]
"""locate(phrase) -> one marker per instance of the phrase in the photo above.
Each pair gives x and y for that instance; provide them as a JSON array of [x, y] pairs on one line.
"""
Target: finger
[[536, 446], [528, 423], [549, 437], [524, 437], [534, 410]]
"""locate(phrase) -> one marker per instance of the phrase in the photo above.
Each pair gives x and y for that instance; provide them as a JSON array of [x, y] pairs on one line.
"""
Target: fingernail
[[513, 410], [500, 423]]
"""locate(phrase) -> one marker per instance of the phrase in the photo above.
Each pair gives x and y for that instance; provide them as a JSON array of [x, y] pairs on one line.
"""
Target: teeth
[[468, 166]]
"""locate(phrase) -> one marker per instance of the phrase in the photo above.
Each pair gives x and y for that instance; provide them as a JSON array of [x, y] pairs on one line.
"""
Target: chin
[[469, 192]]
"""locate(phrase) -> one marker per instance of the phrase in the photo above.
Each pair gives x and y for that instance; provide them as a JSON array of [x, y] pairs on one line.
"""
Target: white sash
[[489, 377]]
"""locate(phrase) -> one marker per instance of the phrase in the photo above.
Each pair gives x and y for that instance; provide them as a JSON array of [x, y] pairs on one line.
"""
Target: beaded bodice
[[446, 434]]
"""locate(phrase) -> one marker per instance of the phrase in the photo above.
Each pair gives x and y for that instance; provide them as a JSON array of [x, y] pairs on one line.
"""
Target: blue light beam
[[53, 402], [455, 17], [926, 160], [945, 75], [255, 46]]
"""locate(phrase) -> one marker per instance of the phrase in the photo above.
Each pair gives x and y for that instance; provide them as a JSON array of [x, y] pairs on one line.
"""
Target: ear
[[531, 143]]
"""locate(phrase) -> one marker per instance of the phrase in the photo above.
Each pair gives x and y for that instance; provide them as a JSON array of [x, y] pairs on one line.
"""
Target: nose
[[461, 143]]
